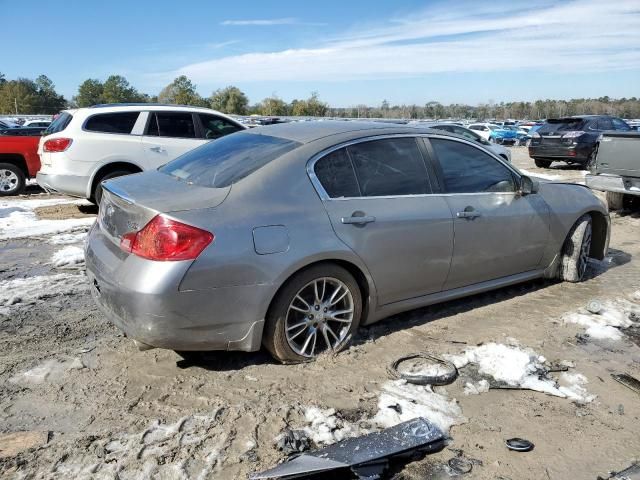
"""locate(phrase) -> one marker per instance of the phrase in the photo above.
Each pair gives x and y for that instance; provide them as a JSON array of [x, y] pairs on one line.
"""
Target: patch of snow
[[325, 427], [68, 238], [18, 219], [517, 367], [540, 175], [476, 388], [401, 401], [31, 289], [605, 324], [70, 255], [572, 385], [50, 370]]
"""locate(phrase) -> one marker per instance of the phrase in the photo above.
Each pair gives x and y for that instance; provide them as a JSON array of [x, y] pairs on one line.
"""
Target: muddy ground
[[95, 407]]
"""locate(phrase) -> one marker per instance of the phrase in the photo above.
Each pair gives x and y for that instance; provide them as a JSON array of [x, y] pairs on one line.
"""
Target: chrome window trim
[[325, 197]]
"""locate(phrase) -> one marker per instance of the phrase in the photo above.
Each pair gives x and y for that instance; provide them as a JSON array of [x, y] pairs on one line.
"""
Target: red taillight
[[56, 145], [163, 239]]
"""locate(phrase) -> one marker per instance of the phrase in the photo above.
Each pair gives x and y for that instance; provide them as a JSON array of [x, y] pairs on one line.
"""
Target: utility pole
[[15, 102]]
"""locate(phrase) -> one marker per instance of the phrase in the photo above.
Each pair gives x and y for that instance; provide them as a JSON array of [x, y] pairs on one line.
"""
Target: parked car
[[37, 123], [23, 131], [571, 139], [8, 124], [293, 235], [494, 133], [83, 147], [19, 159], [616, 169], [471, 135]]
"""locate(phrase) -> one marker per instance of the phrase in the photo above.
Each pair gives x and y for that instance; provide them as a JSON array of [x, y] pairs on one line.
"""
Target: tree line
[[39, 96]]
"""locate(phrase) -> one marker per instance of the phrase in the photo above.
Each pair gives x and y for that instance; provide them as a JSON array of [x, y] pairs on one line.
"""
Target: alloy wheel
[[8, 180], [319, 317], [584, 250]]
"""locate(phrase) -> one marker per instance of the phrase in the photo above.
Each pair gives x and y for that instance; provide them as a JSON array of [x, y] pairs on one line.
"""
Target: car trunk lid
[[129, 203]]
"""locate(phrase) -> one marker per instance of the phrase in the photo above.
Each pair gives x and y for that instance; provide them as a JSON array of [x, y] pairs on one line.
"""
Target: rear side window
[[336, 175], [215, 127], [620, 125], [59, 124], [228, 160], [391, 166], [121, 122], [605, 124], [171, 124], [466, 169]]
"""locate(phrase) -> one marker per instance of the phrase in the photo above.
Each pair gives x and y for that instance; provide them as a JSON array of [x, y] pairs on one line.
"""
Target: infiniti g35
[[291, 236]]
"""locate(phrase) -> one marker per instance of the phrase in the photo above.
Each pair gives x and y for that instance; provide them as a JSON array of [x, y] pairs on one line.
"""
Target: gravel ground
[[91, 406]]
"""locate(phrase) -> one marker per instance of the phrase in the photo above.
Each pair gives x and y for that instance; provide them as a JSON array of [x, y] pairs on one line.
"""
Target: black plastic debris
[[449, 375], [460, 465], [519, 445], [628, 381], [365, 457], [293, 441]]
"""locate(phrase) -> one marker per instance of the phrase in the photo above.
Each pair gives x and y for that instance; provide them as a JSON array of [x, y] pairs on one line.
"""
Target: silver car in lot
[[291, 236]]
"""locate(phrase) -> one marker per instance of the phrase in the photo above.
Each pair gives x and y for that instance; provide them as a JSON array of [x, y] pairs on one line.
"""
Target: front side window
[[171, 124], [228, 160], [605, 124], [121, 122], [467, 169], [336, 174], [391, 166], [620, 125], [215, 127]]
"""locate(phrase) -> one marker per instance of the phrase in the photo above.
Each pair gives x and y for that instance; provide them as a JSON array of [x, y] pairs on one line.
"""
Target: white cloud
[[591, 36]]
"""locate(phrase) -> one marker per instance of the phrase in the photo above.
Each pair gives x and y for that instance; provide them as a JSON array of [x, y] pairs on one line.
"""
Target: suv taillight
[[56, 145], [163, 239]]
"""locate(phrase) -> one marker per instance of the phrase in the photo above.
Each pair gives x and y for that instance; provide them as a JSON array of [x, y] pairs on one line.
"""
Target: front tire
[[317, 310], [576, 250], [540, 163], [12, 180]]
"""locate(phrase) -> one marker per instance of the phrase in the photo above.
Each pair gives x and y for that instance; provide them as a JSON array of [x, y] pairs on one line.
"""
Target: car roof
[[309, 131]]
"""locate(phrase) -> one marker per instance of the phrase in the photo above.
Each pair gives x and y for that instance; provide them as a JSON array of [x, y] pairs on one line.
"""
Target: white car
[[482, 129], [37, 123], [83, 147]]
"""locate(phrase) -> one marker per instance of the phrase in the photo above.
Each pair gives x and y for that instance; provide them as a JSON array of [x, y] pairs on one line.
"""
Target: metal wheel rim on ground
[[8, 180], [319, 317]]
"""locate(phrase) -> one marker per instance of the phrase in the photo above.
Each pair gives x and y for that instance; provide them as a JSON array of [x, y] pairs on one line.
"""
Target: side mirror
[[528, 185]]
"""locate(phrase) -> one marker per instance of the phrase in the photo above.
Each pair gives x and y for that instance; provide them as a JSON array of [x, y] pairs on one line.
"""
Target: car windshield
[[227, 160]]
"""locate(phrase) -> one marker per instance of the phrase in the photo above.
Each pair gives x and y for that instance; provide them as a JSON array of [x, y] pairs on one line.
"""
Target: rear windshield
[[567, 125], [59, 124], [227, 160]]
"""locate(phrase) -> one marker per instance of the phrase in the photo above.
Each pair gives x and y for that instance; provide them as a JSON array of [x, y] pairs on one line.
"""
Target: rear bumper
[[143, 299], [613, 183], [577, 153], [74, 185]]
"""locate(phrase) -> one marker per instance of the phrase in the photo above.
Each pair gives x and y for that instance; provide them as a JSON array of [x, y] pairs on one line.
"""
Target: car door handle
[[357, 220], [469, 214], [157, 149]]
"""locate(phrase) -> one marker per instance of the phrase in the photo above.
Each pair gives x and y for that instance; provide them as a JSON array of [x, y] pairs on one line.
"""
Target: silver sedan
[[291, 236]]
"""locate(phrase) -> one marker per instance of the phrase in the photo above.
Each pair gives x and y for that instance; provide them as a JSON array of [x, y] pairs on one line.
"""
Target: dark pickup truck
[[19, 159], [616, 169]]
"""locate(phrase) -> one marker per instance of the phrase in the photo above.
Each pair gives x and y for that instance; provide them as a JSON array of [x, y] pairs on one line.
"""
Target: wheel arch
[[108, 168], [16, 159], [599, 234]]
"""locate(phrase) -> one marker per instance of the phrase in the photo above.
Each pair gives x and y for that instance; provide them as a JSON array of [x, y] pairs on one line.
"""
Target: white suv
[[83, 147]]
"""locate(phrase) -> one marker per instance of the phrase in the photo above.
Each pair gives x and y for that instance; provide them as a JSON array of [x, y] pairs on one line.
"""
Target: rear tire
[[540, 163], [97, 191], [575, 251], [615, 200], [12, 180], [289, 323]]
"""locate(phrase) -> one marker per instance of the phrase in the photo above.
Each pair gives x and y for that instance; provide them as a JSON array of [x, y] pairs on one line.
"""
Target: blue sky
[[351, 52]]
